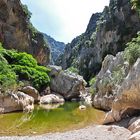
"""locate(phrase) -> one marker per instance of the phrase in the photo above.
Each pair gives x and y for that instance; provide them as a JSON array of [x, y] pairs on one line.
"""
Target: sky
[[63, 19]]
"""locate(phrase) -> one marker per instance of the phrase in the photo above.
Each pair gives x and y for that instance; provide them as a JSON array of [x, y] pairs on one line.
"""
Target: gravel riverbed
[[95, 132]]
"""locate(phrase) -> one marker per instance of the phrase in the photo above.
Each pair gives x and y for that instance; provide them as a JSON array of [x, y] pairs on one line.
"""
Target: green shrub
[[118, 75], [73, 70], [132, 52], [24, 66], [92, 81], [29, 14], [26, 11], [20, 58], [136, 4], [92, 85], [8, 78], [38, 78]]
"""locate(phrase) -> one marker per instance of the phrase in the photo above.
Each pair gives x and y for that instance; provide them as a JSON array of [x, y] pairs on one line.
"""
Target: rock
[[16, 34], [16, 102], [135, 136], [134, 125], [107, 83], [128, 94], [26, 101], [46, 91], [65, 83], [51, 99], [86, 97], [108, 118], [82, 107], [31, 91], [57, 47]]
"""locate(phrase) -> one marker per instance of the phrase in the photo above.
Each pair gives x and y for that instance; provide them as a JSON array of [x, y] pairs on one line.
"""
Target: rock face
[[117, 87], [52, 99], [86, 97], [106, 34], [135, 136], [16, 102], [16, 33], [128, 95], [109, 79], [67, 84], [31, 92], [134, 125], [56, 47]]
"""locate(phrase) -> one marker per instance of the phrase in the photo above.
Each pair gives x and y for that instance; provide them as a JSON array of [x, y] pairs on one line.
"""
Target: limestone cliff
[[106, 34], [16, 33], [117, 84]]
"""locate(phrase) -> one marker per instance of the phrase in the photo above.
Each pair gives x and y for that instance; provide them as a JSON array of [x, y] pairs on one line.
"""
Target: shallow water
[[43, 120]]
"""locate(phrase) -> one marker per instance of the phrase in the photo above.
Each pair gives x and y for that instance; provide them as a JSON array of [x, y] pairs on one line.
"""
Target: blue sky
[[63, 19]]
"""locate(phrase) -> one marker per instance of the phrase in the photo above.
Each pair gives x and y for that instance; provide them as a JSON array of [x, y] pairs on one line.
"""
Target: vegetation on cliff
[[132, 52], [19, 66], [136, 5], [107, 33]]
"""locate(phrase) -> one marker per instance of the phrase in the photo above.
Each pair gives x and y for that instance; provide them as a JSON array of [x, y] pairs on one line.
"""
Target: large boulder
[[128, 95], [31, 91], [135, 136], [16, 102], [51, 99], [134, 125], [65, 83], [109, 79], [86, 97]]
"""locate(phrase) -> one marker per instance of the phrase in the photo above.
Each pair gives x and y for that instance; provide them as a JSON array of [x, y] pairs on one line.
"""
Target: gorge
[[98, 69]]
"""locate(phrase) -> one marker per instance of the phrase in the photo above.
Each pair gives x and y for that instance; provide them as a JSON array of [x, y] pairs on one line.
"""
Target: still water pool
[[43, 120]]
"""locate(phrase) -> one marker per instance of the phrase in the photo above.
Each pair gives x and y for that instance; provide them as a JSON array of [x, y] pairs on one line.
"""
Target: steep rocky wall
[[117, 85], [16, 34], [106, 34], [127, 97]]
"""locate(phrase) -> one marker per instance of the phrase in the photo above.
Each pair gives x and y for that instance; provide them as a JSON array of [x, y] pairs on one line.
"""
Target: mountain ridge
[[117, 24], [56, 47]]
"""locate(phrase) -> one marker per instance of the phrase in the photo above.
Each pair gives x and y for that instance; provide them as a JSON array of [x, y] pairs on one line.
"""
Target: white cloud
[[63, 19]]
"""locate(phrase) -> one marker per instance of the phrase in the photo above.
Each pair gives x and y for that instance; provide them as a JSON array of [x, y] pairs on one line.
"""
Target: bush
[[118, 75], [92, 85], [38, 78], [8, 78], [92, 81], [20, 58], [26, 11], [136, 5], [73, 70], [24, 66], [132, 52]]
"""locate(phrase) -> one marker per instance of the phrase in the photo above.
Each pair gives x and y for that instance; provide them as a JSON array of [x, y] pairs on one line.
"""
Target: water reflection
[[50, 106]]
